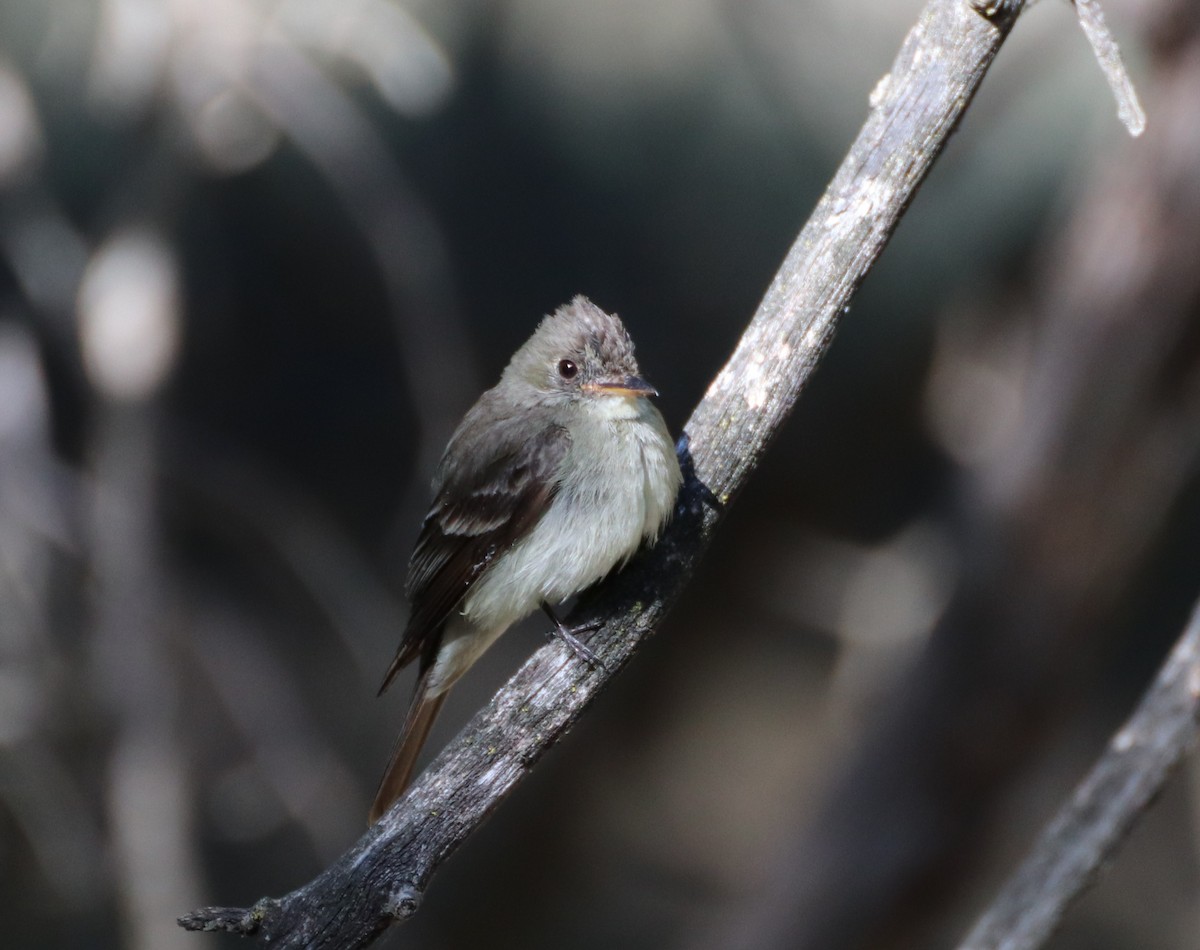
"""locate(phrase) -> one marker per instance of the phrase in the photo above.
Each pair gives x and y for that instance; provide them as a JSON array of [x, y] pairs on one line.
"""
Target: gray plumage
[[554, 477]]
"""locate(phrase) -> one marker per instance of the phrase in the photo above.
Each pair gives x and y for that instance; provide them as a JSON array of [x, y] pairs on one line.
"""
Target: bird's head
[[580, 352]]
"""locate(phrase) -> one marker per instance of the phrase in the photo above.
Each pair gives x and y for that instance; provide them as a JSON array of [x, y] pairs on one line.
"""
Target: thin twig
[[1108, 55], [1070, 852], [914, 110]]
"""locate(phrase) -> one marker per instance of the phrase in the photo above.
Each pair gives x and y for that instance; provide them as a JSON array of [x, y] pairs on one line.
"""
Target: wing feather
[[479, 511]]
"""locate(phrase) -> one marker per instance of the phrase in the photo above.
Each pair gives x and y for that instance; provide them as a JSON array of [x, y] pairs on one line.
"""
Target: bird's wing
[[479, 512]]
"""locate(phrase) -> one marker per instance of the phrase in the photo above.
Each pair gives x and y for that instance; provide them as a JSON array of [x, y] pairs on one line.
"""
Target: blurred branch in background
[[98, 770], [129, 328], [1073, 459], [1070, 852], [407, 248], [39, 530]]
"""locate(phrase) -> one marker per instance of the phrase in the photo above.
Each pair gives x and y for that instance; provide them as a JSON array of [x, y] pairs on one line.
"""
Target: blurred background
[[258, 256]]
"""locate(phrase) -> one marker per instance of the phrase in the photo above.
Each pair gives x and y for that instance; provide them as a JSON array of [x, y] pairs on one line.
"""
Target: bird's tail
[[421, 713]]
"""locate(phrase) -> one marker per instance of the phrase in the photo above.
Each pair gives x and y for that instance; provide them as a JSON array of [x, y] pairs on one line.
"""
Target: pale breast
[[618, 488]]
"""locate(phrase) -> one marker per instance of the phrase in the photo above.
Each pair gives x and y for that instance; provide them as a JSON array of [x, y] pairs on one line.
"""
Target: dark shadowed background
[[258, 256]]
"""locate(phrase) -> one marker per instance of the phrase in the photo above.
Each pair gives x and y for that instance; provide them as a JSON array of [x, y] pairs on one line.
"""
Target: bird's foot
[[568, 636]]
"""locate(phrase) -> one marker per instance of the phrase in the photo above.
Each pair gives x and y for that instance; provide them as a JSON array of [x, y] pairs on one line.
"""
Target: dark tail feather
[[409, 647], [421, 713]]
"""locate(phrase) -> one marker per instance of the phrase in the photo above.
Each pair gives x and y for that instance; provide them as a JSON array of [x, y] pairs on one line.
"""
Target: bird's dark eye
[[567, 369]]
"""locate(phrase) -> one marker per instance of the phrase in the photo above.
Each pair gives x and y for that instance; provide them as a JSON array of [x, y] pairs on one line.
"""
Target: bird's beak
[[630, 386]]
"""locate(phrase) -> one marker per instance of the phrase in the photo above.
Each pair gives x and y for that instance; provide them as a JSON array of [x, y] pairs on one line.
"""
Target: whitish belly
[[597, 520]]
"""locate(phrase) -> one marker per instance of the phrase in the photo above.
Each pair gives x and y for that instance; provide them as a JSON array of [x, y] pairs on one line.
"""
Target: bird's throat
[[614, 408]]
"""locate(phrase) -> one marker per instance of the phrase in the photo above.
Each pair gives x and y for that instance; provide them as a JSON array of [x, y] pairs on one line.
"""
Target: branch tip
[[231, 920], [1108, 55]]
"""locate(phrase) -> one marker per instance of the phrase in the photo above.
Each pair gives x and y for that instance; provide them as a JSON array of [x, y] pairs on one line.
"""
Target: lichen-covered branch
[[913, 111]]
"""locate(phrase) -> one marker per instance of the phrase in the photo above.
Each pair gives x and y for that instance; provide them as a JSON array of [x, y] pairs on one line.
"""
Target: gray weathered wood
[[1070, 851], [913, 111]]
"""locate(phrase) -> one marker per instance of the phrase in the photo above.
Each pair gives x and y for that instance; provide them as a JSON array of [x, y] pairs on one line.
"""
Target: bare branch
[[1100, 450], [1108, 55], [914, 109], [1068, 855]]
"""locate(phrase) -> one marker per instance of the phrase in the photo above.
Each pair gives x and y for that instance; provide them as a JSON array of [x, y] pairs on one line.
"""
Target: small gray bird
[[553, 478]]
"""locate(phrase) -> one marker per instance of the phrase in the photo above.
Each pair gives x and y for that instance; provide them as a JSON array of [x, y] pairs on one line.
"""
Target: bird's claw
[[578, 647]]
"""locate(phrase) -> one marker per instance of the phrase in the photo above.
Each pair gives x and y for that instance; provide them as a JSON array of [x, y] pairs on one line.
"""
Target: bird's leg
[[567, 635]]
